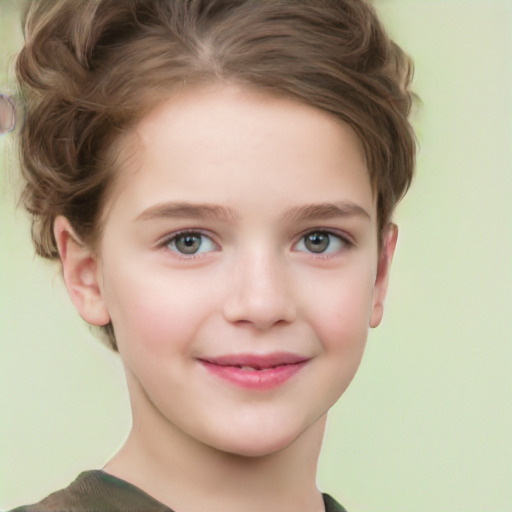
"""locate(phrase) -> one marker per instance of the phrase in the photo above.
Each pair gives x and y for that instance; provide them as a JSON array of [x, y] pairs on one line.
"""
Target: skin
[[271, 171]]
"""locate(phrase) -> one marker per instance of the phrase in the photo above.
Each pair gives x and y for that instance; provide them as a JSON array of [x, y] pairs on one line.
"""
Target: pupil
[[317, 242], [188, 244]]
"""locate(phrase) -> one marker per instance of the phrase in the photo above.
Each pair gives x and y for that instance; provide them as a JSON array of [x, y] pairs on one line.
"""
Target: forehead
[[224, 143]]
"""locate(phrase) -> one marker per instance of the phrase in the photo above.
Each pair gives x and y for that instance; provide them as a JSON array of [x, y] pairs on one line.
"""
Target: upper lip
[[257, 361]]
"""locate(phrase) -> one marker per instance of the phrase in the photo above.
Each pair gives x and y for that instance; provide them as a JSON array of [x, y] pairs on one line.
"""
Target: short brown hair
[[90, 69]]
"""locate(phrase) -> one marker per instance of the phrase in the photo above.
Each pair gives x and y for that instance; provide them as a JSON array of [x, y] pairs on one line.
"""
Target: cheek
[[152, 313], [339, 309]]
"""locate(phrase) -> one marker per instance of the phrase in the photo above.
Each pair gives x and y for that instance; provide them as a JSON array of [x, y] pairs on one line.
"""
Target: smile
[[257, 372]]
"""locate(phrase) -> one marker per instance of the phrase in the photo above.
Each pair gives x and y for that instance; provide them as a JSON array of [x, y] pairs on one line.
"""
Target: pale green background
[[427, 423]]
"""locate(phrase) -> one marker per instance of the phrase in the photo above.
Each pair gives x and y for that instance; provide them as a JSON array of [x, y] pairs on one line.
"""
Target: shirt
[[97, 491]]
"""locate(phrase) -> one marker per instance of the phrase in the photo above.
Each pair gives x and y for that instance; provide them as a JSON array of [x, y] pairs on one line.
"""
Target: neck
[[187, 475]]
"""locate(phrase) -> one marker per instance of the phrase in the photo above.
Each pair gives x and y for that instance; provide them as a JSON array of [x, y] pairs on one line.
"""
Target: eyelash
[[343, 240], [172, 239], [169, 243]]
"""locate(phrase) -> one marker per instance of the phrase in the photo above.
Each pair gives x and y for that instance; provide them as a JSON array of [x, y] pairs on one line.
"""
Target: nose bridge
[[260, 293]]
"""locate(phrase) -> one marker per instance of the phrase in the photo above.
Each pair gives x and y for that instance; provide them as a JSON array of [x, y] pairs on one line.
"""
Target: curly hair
[[91, 69]]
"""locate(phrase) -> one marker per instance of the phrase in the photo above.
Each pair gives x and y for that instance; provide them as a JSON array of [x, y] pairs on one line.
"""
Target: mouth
[[258, 372]]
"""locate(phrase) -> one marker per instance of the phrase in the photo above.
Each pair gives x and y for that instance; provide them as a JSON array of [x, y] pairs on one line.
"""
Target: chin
[[260, 443]]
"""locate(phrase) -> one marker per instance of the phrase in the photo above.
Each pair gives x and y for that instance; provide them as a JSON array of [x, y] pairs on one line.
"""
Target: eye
[[190, 243], [321, 242]]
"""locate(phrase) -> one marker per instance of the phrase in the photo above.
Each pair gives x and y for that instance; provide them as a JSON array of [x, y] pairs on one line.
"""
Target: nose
[[259, 293]]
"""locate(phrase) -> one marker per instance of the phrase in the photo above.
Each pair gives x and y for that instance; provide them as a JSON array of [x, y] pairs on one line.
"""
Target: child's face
[[242, 232]]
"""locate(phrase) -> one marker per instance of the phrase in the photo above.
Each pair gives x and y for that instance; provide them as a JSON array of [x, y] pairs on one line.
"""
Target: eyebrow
[[326, 210], [187, 210], [202, 211]]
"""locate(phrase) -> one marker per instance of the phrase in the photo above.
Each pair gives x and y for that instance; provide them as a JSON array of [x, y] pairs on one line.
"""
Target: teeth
[[251, 369]]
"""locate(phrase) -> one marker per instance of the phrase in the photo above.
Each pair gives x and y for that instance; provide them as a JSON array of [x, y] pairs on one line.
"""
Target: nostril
[[252, 314]]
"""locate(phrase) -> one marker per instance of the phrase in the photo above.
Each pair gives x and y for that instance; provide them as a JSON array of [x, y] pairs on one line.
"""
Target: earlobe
[[81, 276], [383, 268]]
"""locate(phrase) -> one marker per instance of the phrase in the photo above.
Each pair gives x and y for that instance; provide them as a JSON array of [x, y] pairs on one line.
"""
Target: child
[[217, 179]]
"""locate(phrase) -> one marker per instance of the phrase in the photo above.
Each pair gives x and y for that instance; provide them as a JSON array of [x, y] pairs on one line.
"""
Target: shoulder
[[331, 505], [96, 491]]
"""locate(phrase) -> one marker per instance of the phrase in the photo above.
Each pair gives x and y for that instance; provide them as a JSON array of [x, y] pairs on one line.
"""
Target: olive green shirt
[[97, 491]]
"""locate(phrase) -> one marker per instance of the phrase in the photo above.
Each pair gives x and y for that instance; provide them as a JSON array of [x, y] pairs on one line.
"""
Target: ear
[[81, 273], [381, 280]]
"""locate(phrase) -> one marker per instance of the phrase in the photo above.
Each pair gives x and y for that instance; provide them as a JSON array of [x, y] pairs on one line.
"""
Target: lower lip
[[255, 379]]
